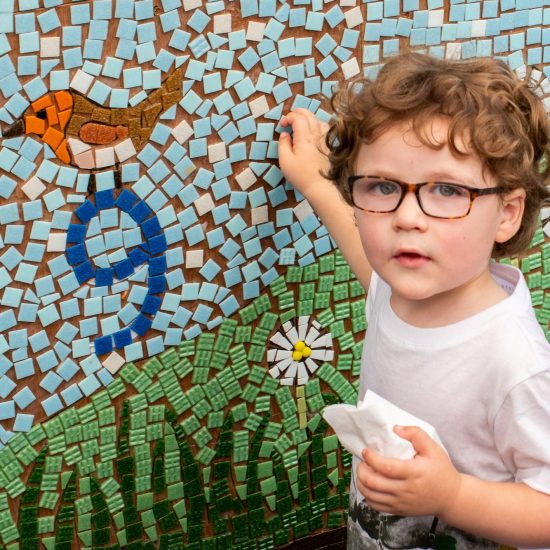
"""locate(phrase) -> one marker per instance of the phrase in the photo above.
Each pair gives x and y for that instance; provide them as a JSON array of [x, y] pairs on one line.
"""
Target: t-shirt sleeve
[[522, 432]]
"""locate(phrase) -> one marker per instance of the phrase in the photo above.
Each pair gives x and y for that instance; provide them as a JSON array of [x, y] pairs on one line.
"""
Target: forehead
[[409, 149]]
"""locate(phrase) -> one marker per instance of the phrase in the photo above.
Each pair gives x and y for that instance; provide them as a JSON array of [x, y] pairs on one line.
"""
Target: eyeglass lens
[[438, 199]]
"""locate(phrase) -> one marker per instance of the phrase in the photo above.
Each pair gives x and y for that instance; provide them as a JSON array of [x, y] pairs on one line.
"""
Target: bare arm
[[508, 513], [301, 158]]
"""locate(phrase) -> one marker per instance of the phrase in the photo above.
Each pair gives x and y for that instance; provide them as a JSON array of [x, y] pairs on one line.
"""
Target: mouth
[[404, 254], [411, 257]]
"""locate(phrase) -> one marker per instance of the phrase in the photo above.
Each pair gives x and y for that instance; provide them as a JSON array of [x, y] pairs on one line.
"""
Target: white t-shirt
[[483, 383]]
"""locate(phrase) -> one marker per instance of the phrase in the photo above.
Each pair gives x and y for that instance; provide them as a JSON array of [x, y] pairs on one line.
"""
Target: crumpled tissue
[[371, 424]]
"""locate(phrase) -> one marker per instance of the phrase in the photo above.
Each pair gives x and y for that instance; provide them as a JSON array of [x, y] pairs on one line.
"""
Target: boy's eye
[[447, 190], [381, 187]]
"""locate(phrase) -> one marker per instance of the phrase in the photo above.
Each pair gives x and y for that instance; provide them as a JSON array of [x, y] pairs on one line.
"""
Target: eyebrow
[[435, 176]]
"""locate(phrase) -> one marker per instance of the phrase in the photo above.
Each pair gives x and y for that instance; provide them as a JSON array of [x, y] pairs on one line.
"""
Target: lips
[[411, 258], [410, 255]]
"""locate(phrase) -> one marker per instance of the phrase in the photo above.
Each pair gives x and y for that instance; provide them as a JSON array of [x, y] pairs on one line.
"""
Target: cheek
[[465, 246], [371, 233]]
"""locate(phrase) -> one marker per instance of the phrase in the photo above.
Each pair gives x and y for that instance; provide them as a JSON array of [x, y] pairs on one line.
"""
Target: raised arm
[[302, 158]]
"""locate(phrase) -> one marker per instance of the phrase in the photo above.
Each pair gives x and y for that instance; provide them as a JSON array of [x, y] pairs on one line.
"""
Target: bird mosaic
[[89, 136]]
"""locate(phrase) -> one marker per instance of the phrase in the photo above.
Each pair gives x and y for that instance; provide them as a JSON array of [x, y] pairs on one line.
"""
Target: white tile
[[204, 204], [125, 150], [275, 372], [217, 152], [284, 364], [33, 188], [50, 46], [222, 23], [292, 334], [81, 81], [191, 4], [312, 366], [57, 242], [453, 50], [478, 27], [85, 160], [545, 85], [350, 68], [246, 179], [77, 146], [302, 210], [104, 157], [182, 132], [113, 362], [311, 336], [259, 215], [259, 106], [255, 31], [194, 258], [354, 17], [436, 19], [292, 370], [281, 341]]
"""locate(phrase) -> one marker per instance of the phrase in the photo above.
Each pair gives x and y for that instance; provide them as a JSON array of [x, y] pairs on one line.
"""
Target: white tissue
[[370, 425]]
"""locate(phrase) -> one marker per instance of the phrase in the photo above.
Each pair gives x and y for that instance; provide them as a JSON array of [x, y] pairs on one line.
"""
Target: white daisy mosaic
[[298, 350]]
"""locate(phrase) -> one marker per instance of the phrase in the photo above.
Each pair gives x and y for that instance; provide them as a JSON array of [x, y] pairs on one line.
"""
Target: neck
[[451, 306]]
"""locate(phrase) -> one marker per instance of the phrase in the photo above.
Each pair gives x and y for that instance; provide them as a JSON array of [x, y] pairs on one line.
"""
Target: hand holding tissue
[[370, 425]]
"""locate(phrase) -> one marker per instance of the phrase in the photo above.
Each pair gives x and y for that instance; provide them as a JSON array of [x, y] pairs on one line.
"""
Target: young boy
[[434, 169]]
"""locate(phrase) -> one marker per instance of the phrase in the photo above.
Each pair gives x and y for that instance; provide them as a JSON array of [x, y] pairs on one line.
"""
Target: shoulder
[[517, 335]]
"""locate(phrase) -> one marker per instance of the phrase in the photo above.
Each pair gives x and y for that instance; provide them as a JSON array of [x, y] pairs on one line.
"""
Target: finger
[[305, 118], [374, 482], [388, 467], [286, 151], [382, 502], [420, 440], [300, 126]]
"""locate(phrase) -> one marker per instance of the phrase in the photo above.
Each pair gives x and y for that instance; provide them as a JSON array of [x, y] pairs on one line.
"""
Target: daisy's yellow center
[[301, 351]]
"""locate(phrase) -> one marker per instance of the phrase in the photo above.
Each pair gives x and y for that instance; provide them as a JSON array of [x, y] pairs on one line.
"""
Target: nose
[[409, 215]]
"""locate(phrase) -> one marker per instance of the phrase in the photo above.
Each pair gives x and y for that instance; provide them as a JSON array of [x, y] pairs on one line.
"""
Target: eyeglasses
[[437, 199]]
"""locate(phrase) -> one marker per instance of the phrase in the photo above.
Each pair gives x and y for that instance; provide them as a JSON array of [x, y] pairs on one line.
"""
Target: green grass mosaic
[[198, 447]]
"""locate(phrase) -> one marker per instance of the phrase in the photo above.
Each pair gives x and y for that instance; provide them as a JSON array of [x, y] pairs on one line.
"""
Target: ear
[[512, 207]]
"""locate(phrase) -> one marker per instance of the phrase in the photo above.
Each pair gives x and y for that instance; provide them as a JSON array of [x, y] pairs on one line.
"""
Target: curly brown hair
[[498, 115]]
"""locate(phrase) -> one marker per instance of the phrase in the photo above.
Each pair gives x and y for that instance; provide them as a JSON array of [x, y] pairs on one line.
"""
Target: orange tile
[[53, 138], [34, 125], [64, 117], [42, 103], [62, 153], [51, 113], [64, 100]]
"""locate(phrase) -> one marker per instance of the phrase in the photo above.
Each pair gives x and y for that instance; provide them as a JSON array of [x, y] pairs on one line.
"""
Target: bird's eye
[[41, 114]]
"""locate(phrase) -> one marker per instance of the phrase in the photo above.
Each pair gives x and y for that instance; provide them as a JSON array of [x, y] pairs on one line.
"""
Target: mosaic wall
[[173, 315]]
